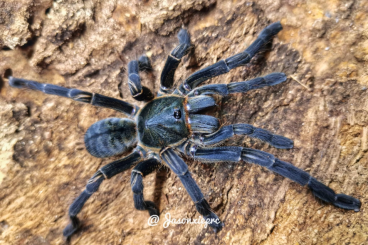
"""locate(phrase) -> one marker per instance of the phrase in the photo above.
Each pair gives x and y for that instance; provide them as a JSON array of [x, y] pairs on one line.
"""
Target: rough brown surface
[[87, 44]]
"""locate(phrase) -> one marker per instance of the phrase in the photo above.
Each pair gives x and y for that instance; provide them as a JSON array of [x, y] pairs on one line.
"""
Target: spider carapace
[[163, 122], [173, 123]]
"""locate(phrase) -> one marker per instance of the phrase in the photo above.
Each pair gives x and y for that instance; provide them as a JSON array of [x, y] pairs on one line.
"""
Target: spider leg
[[139, 92], [228, 131], [178, 166], [136, 181], [173, 60], [203, 124], [198, 103], [224, 66], [240, 87], [235, 154], [77, 95], [93, 184]]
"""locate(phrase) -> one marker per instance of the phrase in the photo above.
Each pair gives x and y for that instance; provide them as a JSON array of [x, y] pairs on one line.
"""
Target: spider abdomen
[[162, 122], [110, 137]]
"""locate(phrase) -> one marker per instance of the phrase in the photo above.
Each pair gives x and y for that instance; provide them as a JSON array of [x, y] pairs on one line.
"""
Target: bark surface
[[44, 165]]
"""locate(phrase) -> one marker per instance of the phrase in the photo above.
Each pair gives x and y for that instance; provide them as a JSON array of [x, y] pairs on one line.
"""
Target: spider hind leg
[[93, 184], [139, 92], [136, 181], [77, 95]]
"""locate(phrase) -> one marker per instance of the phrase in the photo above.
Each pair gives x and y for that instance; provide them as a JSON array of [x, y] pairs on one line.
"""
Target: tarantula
[[172, 122]]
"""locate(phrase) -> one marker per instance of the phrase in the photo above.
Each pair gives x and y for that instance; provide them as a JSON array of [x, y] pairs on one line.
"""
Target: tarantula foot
[[71, 228], [214, 221], [347, 202], [144, 63], [218, 227], [151, 207], [281, 142]]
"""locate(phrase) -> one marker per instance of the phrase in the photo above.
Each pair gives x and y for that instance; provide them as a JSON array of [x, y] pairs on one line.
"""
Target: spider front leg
[[178, 166], [93, 184], [235, 154], [136, 181], [228, 131], [205, 128], [139, 92], [224, 66], [173, 60], [240, 87]]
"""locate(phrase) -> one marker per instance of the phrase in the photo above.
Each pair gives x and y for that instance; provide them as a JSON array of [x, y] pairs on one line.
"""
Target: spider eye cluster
[[177, 114]]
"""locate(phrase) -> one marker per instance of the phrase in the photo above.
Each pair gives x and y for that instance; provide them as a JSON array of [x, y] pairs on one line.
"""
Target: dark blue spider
[[172, 122]]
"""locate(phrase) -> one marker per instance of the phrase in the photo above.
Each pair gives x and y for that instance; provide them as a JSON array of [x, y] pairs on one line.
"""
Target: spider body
[[174, 123], [110, 137], [162, 122]]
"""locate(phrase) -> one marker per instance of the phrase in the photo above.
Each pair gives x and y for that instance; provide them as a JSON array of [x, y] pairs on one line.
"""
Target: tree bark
[[44, 165]]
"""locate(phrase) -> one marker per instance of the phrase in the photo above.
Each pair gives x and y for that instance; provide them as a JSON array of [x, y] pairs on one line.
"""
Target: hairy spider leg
[[236, 154], [225, 132], [203, 124], [224, 66], [180, 168], [240, 87], [199, 103], [173, 60], [77, 95], [136, 181], [139, 92], [106, 172]]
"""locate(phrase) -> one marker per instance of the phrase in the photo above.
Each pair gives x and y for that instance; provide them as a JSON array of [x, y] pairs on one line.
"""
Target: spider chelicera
[[172, 122]]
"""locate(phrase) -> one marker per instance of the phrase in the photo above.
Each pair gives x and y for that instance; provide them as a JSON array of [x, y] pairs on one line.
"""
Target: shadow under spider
[[161, 178]]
